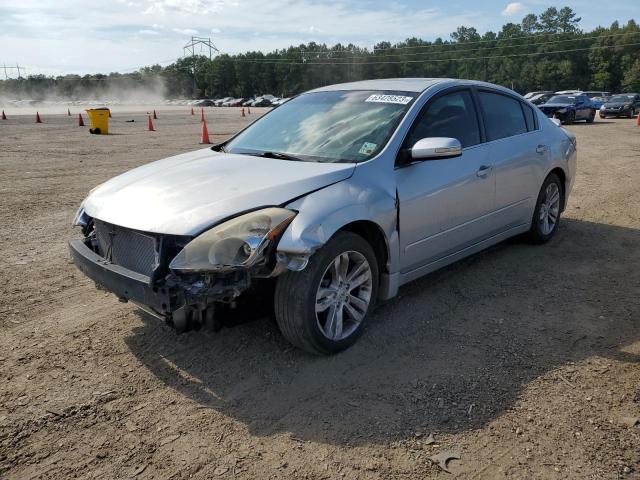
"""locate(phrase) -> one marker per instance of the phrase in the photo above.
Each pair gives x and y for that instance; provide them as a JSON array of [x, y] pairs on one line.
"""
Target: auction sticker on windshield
[[399, 99], [368, 148]]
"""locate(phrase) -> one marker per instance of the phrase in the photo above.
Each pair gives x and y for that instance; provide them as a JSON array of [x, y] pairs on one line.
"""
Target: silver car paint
[[186, 194], [431, 213], [446, 210]]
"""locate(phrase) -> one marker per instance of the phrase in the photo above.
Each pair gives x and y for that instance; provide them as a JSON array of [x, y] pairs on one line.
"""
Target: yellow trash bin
[[99, 118]]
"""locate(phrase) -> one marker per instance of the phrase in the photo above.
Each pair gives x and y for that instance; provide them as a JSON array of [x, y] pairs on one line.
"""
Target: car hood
[[186, 194], [616, 104]]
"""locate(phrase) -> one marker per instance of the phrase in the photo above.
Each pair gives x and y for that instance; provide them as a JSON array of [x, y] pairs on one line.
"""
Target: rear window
[[503, 115], [530, 117]]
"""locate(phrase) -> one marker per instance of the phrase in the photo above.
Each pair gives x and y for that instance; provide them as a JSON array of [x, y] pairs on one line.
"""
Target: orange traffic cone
[[155, 117], [192, 112], [205, 134], [202, 114], [243, 112], [249, 110], [150, 126], [80, 120], [38, 118], [637, 119], [68, 112], [4, 117]]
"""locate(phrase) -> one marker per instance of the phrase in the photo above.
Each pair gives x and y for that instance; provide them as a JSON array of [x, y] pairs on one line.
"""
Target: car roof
[[417, 85], [398, 84]]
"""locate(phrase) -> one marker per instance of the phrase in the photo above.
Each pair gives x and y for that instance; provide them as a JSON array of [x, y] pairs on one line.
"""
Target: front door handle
[[541, 149], [483, 171]]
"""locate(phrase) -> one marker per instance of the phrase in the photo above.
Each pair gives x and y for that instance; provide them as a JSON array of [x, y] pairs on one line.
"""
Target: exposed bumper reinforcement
[[125, 284]]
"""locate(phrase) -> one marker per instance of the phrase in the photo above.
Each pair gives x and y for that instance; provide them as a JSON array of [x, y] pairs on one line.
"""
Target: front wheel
[[546, 215], [322, 309], [591, 116]]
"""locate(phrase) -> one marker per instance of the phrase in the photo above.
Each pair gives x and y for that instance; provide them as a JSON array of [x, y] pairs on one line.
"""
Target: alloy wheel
[[343, 295], [550, 209]]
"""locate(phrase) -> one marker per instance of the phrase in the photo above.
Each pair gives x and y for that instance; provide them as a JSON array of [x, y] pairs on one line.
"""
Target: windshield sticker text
[[399, 99]]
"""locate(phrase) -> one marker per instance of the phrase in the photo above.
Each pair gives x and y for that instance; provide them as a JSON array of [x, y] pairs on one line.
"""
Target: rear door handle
[[542, 149], [483, 171]]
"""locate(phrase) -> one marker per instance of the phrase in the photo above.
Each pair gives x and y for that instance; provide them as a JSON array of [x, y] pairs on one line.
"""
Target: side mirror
[[434, 148]]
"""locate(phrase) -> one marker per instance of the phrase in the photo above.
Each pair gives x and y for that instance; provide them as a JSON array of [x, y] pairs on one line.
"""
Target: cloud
[[47, 36], [185, 31], [514, 8]]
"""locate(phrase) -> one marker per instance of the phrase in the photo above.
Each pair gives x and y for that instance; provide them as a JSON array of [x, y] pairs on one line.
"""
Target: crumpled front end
[[136, 267]]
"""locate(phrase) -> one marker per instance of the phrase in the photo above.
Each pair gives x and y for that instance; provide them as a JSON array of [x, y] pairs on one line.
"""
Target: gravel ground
[[523, 360]]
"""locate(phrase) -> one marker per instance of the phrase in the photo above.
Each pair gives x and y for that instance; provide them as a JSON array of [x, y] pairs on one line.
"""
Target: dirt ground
[[523, 360]]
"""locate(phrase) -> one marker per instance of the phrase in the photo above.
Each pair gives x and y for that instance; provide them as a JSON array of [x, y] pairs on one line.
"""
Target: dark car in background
[[621, 105], [569, 108]]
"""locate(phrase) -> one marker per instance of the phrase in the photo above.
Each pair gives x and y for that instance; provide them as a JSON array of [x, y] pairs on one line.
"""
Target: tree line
[[545, 52]]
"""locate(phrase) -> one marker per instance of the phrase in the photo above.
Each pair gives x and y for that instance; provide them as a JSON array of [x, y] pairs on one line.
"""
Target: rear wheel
[[591, 116], [322, 309], [546, 215]]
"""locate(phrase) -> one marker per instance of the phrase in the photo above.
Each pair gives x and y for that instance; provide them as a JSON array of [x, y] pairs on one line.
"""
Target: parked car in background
[[280, 101], [621, 105], [599, 101], [569, 108], [569, 92], [261, 102], [204, 103], [219, 102], [531, 95], [326, 221], [596, 93], [248, 102], [541, 98]]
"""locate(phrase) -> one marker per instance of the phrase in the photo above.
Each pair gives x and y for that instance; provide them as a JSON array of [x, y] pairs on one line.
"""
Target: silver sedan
[[328, 204]]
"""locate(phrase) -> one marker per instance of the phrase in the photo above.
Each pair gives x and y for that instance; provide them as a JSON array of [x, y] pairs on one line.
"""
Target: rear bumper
[[125, 284]]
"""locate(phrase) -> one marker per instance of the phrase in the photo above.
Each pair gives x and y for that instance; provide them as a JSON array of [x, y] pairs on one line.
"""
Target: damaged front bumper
[[184, 302]]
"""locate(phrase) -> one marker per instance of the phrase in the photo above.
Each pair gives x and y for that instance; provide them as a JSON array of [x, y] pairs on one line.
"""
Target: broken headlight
[[237, 243]]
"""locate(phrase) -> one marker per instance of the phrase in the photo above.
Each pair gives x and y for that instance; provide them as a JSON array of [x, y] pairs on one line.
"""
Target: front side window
[[333, 126], [503, 115], [452, 115]]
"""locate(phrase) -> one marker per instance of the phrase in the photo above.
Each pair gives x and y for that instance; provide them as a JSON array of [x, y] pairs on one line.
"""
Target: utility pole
[[190, 48]]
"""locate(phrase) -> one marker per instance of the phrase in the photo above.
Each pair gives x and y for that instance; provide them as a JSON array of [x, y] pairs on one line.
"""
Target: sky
[[80, 36]]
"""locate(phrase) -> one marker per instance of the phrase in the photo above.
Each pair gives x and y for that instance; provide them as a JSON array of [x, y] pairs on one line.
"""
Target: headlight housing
[[81, 219], [238, 243]]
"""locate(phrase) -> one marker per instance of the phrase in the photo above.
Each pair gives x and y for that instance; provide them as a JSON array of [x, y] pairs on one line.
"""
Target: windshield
[[621, 99], [563, 99], [337, 126]]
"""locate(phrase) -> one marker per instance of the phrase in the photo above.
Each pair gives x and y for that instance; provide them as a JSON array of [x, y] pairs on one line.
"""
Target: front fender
[[324, 212]]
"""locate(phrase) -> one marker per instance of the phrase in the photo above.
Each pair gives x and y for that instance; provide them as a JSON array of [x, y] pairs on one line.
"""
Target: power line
[[367, 62], [449, 43]]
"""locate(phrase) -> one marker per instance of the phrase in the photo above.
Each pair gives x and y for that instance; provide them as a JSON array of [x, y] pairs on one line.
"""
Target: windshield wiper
[[279, 155]]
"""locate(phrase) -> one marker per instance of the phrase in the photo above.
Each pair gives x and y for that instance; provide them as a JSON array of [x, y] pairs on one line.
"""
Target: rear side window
[[503, 116], [529, 116], [452, 115]]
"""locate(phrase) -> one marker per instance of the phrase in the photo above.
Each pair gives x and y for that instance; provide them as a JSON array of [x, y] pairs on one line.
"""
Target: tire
[[297, 296], [602, 116], [591, 117], [540, 232], [571, 117]]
